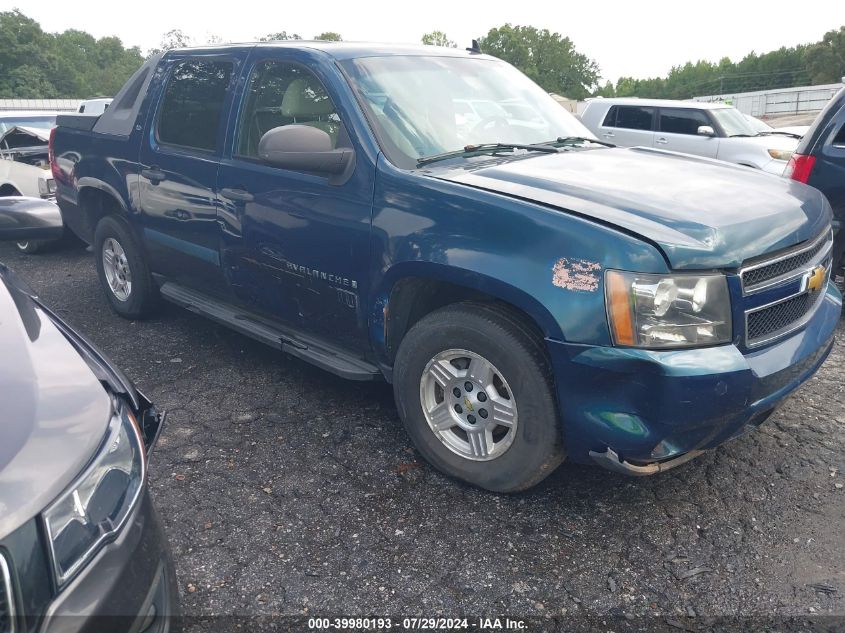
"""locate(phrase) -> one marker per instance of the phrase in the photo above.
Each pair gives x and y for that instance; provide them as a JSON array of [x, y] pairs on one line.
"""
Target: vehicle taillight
[[799, 167], [51, 155]]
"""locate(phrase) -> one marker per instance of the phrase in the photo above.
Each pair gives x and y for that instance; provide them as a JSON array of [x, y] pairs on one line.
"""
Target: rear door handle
[[239, 195], [661, 141], [154, 174]]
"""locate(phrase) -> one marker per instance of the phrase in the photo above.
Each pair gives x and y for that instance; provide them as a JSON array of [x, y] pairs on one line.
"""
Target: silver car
[[713, 130]]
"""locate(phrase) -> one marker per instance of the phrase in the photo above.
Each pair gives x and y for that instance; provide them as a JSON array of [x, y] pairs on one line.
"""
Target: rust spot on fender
[[579, 275]]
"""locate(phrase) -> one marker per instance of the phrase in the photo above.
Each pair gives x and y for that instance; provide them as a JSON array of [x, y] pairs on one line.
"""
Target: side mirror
[[24, 219], [706, 130], [304, 148]]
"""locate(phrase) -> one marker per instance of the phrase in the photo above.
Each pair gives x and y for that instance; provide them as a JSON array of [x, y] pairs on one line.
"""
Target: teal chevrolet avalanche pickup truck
[[431, 217]]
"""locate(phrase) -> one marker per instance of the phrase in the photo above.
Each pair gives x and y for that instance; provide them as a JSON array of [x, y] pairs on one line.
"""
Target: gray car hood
[[54, 410], [701, 213]]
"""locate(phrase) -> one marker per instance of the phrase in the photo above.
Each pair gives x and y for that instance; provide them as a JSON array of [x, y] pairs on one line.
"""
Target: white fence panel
[[64, 105], [778, 102]]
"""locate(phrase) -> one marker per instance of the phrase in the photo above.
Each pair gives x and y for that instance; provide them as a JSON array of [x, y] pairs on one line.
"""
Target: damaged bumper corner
[[610, 460]]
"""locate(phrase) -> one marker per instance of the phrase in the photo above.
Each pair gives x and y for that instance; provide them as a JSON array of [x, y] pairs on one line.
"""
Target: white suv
[[713, 130]]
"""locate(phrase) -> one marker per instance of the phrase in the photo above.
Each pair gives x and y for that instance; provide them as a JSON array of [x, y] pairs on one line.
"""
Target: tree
[[281, 35], [175, 38], [35, 64], [438, 38], [548, 58], [605, 91], [329, 36], [825, 60]]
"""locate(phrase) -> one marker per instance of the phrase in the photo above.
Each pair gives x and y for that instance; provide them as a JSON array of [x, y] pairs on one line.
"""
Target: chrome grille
[[7, 605], [779, 316], [778, 319], [757, 276]]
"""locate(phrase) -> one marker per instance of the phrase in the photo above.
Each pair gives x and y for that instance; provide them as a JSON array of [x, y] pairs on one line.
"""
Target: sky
[[626, 38]]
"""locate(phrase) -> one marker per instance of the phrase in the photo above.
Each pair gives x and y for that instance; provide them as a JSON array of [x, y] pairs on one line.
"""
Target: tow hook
[[610, 459]]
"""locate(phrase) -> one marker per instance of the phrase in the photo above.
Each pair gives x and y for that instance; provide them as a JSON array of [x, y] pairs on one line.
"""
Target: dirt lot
[[288, 491]]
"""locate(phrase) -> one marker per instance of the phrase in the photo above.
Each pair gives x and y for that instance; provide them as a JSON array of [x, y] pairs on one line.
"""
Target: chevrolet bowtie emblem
[[814, 279], [468, 403]]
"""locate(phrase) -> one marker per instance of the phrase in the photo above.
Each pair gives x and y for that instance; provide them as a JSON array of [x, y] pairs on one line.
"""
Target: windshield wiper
[[778, 133], [471, 150], [576, 140]]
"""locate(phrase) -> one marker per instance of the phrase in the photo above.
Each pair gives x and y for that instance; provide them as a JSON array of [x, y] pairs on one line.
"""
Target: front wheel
[[122, 270], [474, 391]]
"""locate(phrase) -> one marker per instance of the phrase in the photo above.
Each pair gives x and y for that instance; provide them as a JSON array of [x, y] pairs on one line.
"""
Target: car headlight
[[94, 508], [46, 187], [664, 311], [780, 154]]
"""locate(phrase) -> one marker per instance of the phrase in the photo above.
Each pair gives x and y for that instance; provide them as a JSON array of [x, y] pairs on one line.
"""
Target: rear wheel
[[122, 270], [474, 391]]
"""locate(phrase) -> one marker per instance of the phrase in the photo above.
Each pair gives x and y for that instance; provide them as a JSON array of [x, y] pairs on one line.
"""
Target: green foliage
[[438, 38], [548, 58], [825, 60], [822, 62], [607, 90], [281, 35], [35, 64], [329, 36]]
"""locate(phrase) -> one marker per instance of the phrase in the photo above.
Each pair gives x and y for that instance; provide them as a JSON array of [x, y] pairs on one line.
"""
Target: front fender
[[474, 279], [546, 262]]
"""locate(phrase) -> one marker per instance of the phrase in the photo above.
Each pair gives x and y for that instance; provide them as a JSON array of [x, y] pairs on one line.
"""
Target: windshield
[[425, 106], [758, 125], [44, 122], [733, 122]]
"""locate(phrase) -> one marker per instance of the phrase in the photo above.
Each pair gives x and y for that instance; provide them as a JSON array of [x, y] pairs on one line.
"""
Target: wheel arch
[[96, 200], [9, 189], [410, 292]]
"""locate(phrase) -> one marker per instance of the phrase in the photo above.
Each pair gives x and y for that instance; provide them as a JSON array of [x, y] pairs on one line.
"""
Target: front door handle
[[608, 135], [154, 174], [661, 141], [239, 195]]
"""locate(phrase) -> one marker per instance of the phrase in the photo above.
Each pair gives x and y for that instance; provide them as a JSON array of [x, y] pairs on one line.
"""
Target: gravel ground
[[285, 490]]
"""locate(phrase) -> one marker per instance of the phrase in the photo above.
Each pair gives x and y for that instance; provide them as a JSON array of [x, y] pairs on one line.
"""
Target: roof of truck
[[348, 50]]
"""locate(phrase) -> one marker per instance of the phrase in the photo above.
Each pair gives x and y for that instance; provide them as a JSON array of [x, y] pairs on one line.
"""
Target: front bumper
[[774, 167], [652, 407], [129, 586]]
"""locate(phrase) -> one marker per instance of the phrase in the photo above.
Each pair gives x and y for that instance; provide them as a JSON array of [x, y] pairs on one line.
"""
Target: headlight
[[780, 154], [97, 504], [46, 187], [660, 311]]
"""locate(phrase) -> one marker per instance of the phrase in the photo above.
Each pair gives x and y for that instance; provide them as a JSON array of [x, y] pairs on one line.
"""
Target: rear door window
[[193, 104], [682, 120], [635, 117], [610, 119]]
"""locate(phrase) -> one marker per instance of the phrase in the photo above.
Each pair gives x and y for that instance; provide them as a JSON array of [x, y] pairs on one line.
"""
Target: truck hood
[[701, 213], [55, 411]]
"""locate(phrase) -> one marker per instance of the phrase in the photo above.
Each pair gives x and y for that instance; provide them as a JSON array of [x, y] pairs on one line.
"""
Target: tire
[[139, 297], [457, 336], [31, 247]]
